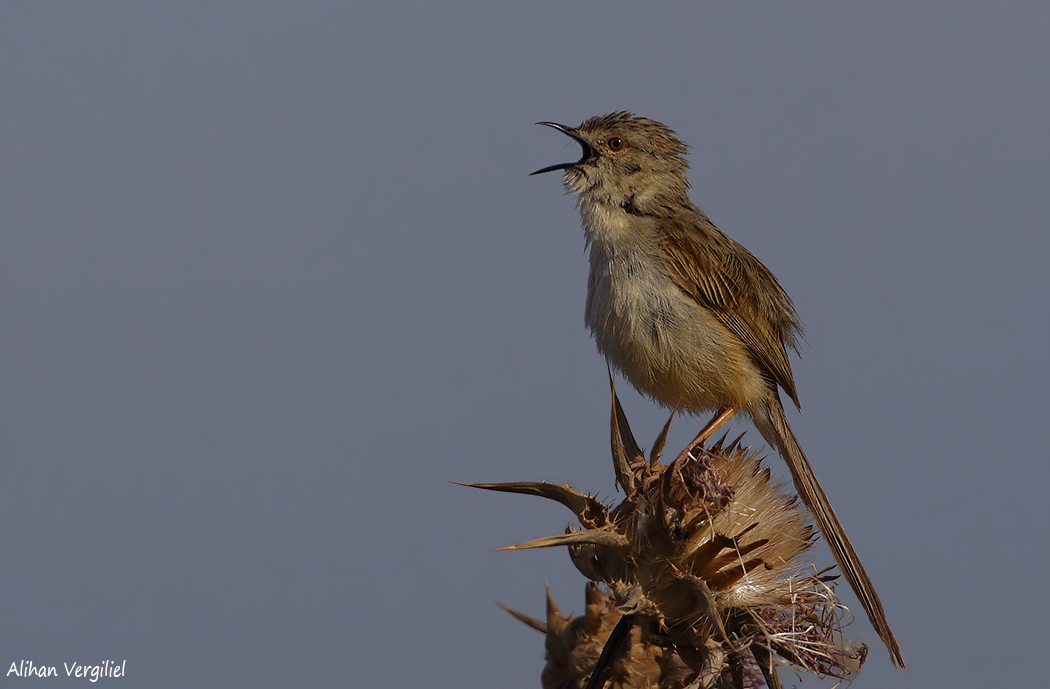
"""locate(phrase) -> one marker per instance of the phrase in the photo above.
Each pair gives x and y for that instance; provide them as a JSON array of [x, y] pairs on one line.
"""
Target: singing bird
[[689, 316]]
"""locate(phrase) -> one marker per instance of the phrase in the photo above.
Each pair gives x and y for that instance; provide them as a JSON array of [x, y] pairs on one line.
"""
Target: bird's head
[[627, 160]]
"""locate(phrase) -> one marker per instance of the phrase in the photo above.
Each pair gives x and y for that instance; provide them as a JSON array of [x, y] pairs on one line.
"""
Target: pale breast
[[667, 346]]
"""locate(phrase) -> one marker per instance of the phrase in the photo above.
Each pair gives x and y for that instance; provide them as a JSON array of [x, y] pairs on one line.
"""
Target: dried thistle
[[703, 557], [573, 646]]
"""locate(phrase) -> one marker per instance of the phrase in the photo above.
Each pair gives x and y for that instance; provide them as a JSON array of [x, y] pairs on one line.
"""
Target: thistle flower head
[[704, 557]]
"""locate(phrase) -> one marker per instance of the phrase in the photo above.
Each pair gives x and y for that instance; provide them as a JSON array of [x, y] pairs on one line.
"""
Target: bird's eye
[[616, 144]]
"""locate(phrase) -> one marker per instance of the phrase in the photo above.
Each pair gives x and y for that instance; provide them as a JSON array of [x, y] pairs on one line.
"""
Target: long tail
[[775, 429]]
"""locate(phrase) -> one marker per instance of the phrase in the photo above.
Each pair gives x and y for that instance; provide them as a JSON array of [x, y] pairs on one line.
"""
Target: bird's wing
[[732, 284]]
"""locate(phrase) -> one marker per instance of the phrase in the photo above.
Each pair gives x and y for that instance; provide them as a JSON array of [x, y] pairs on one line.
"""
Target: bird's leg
[[709, 430]]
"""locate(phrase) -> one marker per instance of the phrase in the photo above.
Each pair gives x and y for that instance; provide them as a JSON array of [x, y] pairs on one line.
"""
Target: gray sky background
[[272, 274]]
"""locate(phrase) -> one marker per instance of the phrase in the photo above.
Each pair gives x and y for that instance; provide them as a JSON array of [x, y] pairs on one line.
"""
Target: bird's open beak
[[570, 132]]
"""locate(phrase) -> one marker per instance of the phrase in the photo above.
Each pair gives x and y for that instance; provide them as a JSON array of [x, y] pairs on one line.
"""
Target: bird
[[685, 313]]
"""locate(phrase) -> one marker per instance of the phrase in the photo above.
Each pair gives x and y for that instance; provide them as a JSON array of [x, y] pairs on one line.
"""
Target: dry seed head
[[573, 645], [705, 554]]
